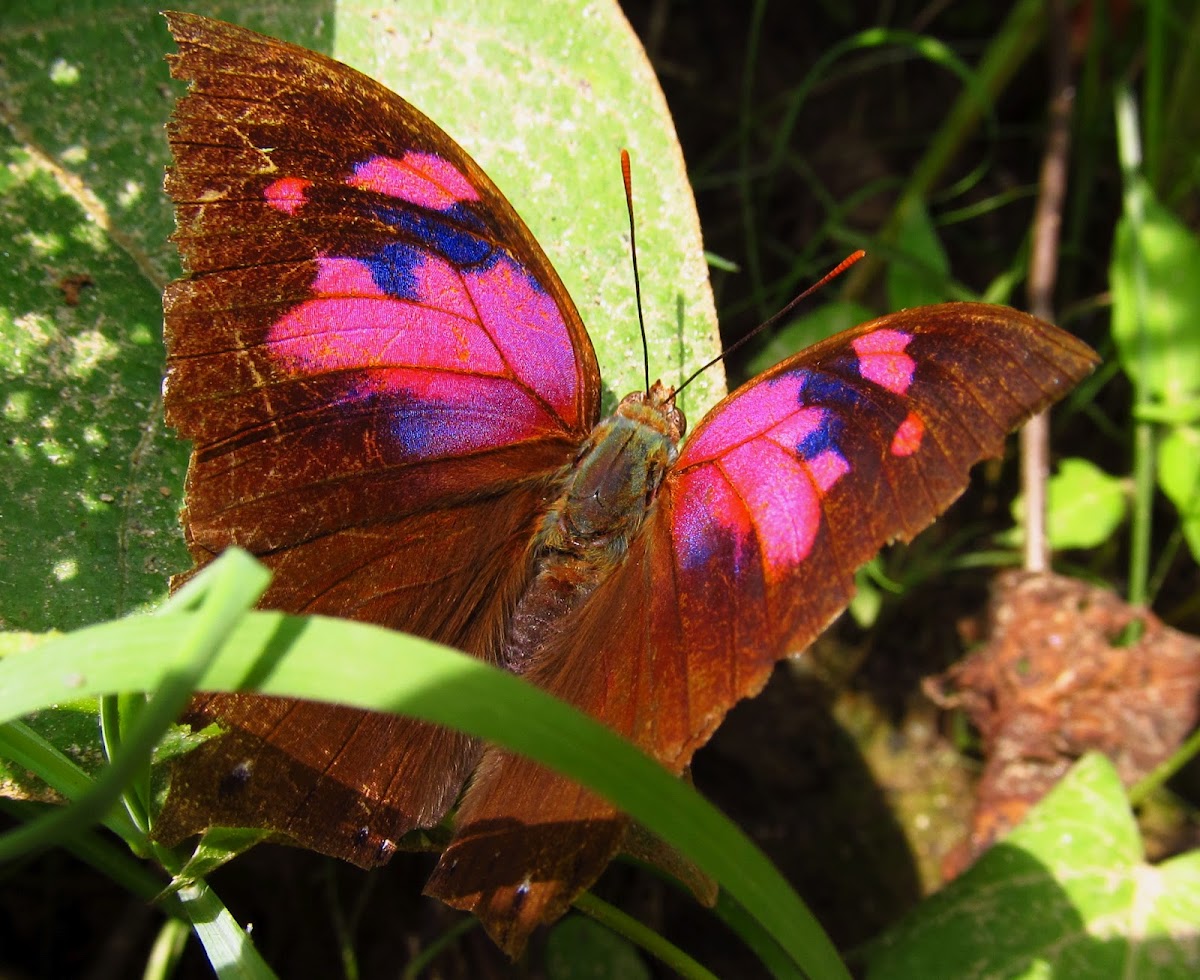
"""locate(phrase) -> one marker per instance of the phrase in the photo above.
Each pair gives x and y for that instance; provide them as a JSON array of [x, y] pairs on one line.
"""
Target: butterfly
[[395, 405]]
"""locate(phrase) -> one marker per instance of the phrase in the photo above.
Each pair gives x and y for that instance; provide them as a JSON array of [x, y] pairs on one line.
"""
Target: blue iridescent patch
[[392, 269], [443, 234], [823, 438], [824, 388]]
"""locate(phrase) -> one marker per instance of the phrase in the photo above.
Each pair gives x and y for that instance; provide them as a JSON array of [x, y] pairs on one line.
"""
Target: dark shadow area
[[790, 776]]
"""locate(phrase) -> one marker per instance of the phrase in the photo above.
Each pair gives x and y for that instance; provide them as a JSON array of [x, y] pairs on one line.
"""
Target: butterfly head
[[656, 408]]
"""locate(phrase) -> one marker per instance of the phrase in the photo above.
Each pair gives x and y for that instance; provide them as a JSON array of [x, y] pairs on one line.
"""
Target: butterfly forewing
[[357, 305], [799, 477]]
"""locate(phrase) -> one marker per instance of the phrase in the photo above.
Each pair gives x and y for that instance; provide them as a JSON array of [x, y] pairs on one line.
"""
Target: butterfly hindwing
[[527, 840], [338, 780]]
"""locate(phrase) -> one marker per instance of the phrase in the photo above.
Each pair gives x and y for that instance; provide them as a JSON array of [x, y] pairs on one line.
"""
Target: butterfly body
[[394, 404], [608, 492]]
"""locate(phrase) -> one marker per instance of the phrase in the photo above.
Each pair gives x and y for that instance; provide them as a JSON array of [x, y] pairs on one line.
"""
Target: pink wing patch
[[446, 347], [757, 408], [288, 194], [752, 479], [352, 323], [344, 277], [526, 325], [423, 179], [492, 322], [881, 359], [438, 297], [907, 439], [781, 496]]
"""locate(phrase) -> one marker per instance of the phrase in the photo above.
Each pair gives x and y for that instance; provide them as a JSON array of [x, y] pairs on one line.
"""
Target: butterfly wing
[[799, 477], [383, 377], [783, 491]]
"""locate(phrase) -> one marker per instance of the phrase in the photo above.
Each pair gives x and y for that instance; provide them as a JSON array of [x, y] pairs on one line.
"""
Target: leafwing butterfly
[[395, 405]]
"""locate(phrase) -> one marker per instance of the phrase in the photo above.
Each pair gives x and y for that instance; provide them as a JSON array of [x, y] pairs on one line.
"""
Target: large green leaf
[[1155, 276], [542, 94], [921, 269], [1066, 894], [88, 478]]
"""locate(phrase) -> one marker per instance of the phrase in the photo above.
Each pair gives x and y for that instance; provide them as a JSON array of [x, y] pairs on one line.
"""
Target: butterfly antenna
[[637, 282], [833, 273]]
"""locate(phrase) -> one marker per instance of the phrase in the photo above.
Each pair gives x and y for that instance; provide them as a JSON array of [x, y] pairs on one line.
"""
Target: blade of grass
[[380, 670], [229, 949], [416, 966], [31, 751], [1014, 43], [626, 925], [166, 951], [1130, 155], [751, 931], [240, 582]]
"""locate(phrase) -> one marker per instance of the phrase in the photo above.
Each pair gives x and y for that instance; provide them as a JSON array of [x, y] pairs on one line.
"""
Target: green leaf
[[1084, 505], [1066, 894], [544, 95], [88, 478], [1179, 477], [918, 273], [580, 949], [1155, 277]]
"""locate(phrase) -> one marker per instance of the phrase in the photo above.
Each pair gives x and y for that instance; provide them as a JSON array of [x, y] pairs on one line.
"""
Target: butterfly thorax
[[617, 473], [607, 494]]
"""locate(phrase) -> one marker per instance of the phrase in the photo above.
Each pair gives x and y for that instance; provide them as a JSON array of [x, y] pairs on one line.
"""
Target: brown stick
[[1043, 268]]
